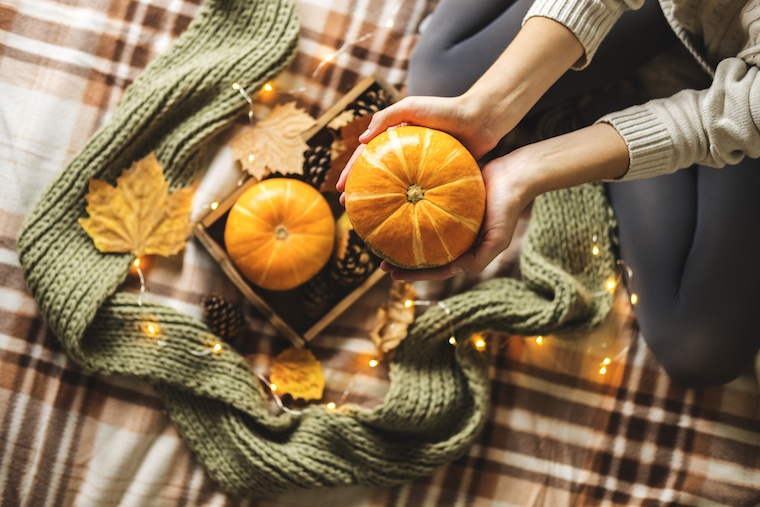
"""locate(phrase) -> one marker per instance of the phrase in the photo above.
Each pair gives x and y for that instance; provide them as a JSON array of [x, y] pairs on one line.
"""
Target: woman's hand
[[541, 52], [467, 119], [506, 198], [591, 154]]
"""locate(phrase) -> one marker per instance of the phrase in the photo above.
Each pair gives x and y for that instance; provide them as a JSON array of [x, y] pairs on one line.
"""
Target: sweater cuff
[[588, 21], [650, 147]]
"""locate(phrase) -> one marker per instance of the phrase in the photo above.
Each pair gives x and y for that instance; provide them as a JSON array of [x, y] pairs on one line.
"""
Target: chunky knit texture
[[438, 397]]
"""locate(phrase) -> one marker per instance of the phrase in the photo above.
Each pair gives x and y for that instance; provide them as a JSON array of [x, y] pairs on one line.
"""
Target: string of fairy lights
[[151, 327], [152, 330]]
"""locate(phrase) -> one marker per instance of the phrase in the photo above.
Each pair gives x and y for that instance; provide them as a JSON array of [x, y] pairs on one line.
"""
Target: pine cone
[[318, 295], [354, 264], [222, 316], [369, 102], [317, 162]]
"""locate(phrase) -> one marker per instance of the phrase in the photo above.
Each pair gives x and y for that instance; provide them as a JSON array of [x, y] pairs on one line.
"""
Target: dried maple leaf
[[138, 215], [394, 318], [349, 141], [296, 372], [275, 143]]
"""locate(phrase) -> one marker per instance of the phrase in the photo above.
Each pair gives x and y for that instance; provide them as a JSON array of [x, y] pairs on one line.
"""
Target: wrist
[[491, 112], [594, 153]]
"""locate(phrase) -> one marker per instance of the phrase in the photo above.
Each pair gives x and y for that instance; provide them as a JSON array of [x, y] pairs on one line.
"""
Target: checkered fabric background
[[560, 431]]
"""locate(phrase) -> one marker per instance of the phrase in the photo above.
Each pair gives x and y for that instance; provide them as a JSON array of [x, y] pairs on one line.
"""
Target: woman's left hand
[[512, 181]]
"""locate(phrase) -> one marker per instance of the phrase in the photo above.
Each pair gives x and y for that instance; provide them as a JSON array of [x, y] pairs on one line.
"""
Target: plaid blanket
[[590, 420]]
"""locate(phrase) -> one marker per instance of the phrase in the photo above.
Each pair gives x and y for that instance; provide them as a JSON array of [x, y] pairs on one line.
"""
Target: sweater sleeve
[[589, 20], [714, 127]]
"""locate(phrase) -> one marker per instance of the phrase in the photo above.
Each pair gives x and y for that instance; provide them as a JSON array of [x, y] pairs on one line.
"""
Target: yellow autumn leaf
[[275, 143], [296, 372], [138, 215]]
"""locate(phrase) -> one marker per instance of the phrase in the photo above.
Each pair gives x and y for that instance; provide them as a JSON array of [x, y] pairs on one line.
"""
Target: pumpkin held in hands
[[416, 197], [280, 233]]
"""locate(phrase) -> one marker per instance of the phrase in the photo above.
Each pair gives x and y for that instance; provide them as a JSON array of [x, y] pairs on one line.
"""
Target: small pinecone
[[317, 162], [222, 316], [318, 295], [370, 102], [355, 265]]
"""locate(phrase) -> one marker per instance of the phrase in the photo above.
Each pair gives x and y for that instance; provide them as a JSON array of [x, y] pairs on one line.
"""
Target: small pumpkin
[[416, 197], [280, 233]]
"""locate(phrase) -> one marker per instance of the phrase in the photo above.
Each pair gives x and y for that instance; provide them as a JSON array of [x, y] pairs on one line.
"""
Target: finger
[[340, 186], [416, 275], [493, 242], [400, 112]]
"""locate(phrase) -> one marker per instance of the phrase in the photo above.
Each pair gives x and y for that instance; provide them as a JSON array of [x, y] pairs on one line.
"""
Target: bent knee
[[701, 374], [701, 358]]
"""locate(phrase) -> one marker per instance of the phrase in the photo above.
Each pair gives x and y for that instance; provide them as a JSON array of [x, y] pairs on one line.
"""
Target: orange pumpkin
[[416, 197], [280, 233]]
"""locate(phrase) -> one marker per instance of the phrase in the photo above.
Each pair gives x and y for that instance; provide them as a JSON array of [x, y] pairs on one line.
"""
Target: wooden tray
[[286, 310]]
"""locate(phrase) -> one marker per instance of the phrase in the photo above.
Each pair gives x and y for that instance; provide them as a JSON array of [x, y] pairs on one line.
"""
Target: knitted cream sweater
[[716, 126]]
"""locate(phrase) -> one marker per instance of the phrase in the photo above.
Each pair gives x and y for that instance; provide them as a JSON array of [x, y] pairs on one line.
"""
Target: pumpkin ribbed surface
[[416, 197], [280, 233]]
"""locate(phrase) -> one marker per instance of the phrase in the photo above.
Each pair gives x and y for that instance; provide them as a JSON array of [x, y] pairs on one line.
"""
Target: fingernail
[[456, 270], [365, 133]]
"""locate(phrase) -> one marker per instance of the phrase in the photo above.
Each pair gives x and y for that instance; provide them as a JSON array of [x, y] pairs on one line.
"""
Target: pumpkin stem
[[415, 193], [281, 232]]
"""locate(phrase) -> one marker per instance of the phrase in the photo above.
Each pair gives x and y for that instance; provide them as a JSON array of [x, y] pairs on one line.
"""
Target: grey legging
[[691, 238]]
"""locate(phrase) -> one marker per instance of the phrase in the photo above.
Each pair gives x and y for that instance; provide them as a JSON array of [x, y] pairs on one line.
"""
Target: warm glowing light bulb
[[610, 284], [214, 205], [151, 328], [251, 158], [389, 23], [273, 387], [268, 87], [217, 348], [480, 343], [634, 298], [606, 361], [330, 57], [373, 363], [453, 340], [408, 303], [539, 339], [595, 250], [136, 263], [331, 406], [235, 86], [602, 370]]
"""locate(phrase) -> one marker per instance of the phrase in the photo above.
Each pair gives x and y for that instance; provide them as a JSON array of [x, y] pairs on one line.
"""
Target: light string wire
[[623, 275], [153, 330], [388, 24]]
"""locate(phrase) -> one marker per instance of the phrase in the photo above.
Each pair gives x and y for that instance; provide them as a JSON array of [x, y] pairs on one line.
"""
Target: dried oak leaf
[[394, 318], [343, 148], [275, 143], [296, 372], [138, 215]]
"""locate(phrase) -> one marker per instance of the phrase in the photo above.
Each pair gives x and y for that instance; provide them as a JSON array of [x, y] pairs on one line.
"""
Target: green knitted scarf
[[438, 397]]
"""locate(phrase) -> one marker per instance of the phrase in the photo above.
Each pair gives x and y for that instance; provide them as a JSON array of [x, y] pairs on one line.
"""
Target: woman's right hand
[[462, 117], [466, 118]]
